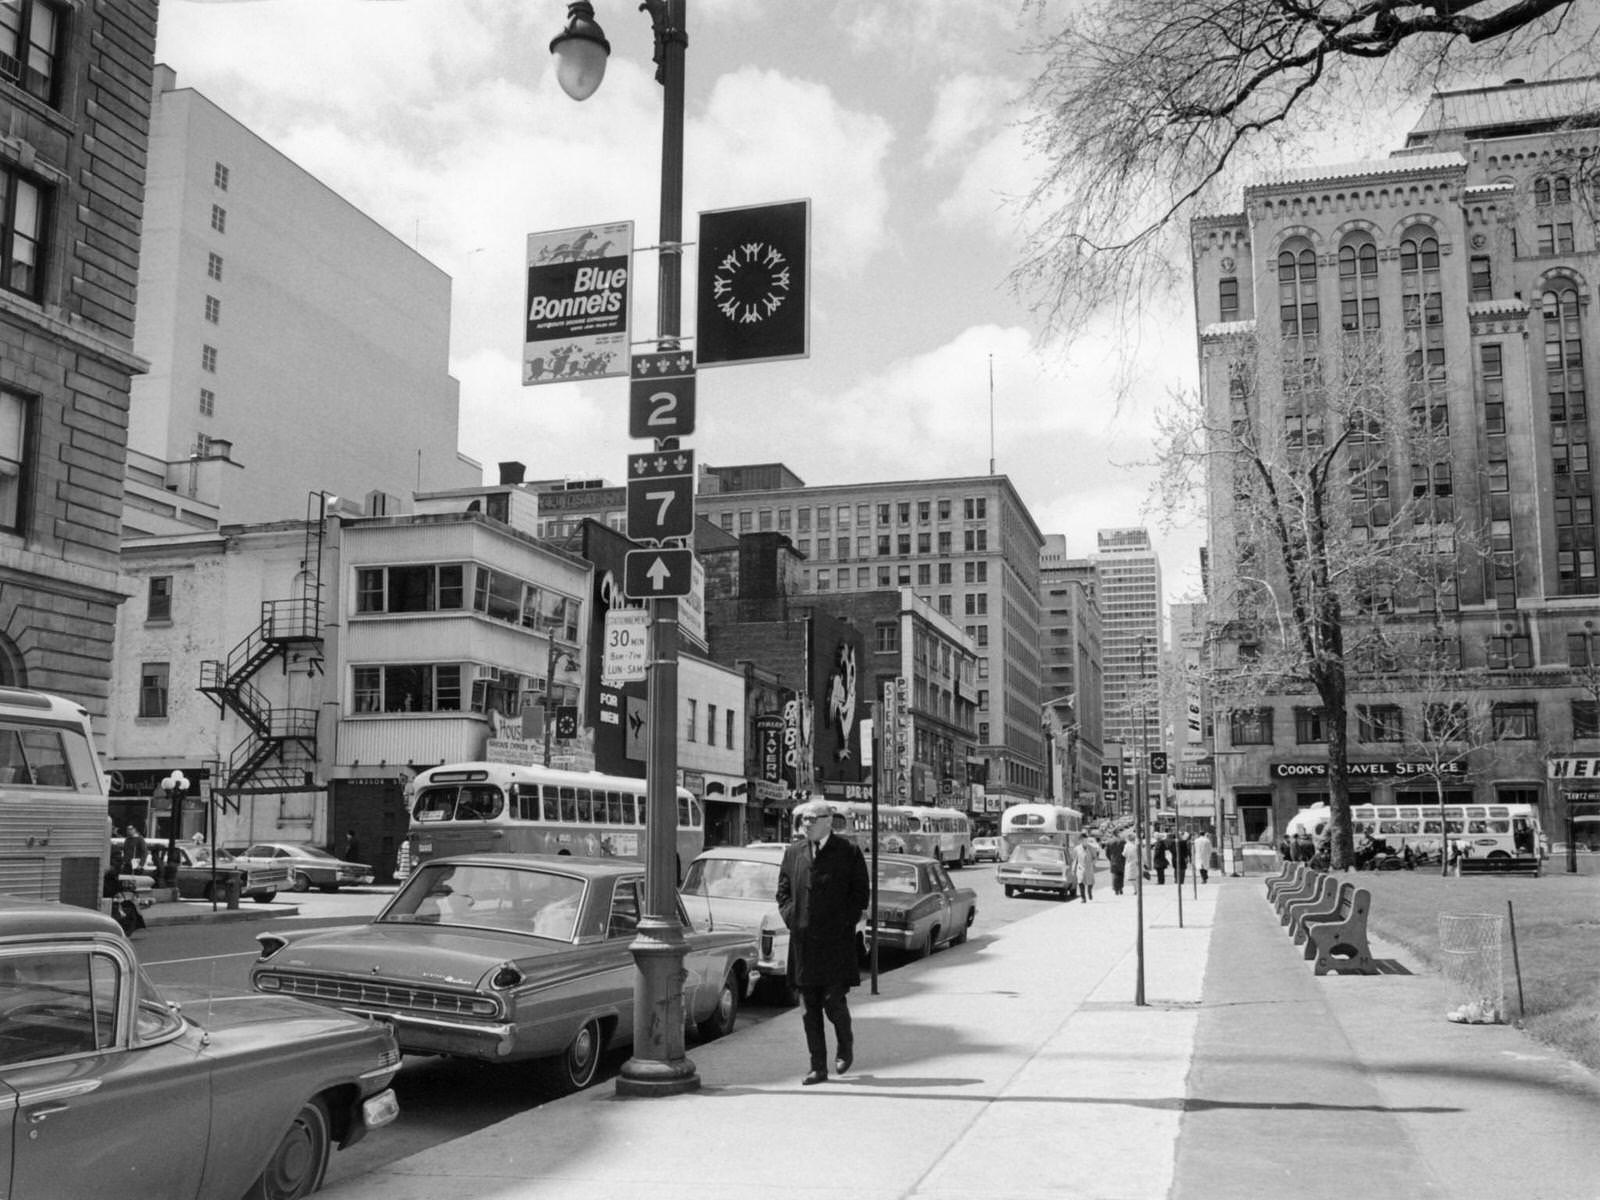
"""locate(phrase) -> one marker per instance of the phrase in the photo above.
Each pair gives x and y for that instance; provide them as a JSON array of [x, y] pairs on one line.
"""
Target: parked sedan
[[1036, 867], [985, 849], [506, 957], [196, 880], [112, 1090], [735, 887], [919, 908], [308, 866]]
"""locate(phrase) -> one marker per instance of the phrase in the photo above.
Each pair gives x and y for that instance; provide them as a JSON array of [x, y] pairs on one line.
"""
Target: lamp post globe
[[581, 52]]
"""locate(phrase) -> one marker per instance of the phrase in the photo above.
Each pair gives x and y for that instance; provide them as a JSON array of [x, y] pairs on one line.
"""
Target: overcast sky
[[897, 119]]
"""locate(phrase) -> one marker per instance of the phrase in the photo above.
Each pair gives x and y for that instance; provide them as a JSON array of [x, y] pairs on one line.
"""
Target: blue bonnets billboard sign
[[577, 308]]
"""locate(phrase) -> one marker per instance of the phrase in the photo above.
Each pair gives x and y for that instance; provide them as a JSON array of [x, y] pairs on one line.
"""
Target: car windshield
[[470, 895], [202, 855], [732, 879], [897, 877], [1037, 854]]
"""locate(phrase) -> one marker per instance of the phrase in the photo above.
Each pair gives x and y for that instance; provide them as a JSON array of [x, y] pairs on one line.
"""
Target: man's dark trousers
[[826, 1002]]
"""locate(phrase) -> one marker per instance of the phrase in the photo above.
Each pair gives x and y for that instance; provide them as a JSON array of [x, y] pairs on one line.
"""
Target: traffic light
[[1158, 763], [1110, 778]]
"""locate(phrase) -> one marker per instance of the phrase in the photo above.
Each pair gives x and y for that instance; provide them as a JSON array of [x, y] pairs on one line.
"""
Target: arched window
[[1358, 286], [1297, 291], [1541, 191], [1561, 189], [1422, 312]]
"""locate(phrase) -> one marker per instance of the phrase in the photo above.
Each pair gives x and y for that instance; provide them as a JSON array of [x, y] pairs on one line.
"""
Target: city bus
[[479, 807], [54, 809], [1480, 830], [1022, 824], [942, 833], [852, 820]]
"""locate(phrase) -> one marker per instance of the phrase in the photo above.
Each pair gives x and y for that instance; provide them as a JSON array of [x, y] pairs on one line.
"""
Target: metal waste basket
[[1470, 953]]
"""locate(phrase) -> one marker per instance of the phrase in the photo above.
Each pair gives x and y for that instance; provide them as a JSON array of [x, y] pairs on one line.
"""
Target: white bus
[[484, 807], [942, 833], [1022, 824], [1480, 830]]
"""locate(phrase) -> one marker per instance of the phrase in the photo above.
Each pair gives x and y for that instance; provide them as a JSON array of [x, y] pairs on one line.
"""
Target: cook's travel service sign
[[577, 310], [751, 303]]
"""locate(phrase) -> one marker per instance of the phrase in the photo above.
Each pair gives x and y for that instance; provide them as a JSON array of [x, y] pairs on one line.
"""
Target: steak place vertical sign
[[576, 317]]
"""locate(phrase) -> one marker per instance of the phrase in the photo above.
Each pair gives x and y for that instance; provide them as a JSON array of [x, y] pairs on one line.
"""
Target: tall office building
[[1473, 253], [1129, 576], [968, 546], [1070, 663], [295, 345], [75, 104]]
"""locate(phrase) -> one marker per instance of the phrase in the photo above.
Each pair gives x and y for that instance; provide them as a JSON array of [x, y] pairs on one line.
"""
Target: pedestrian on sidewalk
[[1180, 857], [1083, 856], [1132, 859], [1158, 858], [1115, 863], [822, 891], [1202, 856]]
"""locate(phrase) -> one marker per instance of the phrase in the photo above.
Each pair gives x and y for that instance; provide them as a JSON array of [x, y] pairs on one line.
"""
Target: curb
[[205, 916]]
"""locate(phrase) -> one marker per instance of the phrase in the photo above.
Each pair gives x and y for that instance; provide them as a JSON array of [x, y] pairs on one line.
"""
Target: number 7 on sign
[[660, 495]]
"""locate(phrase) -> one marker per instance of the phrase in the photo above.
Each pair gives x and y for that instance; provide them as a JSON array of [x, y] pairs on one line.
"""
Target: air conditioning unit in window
[[491, 674]]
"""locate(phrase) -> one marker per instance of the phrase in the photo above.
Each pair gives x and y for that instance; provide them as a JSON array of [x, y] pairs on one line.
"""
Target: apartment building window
[[16, 419], [1250, 726], [944, 542], [924, 575], [410, 688], [429, 587], [1358, 285], [976, 572], [219, 177], [1297, 291], [824, 581], [924, 511], [1492, 388], [746, 520], [1509, 653], [883, 514], [887, 637], [824, 519], [1480, 277], [214, 266], [824, 549], [785, 520], [691, 725], [864, 578], [843, 576], [208, 358], [976, 540], [976, 508], [983, 699], [902, 543], [1228, 299], [803, 520], [1310, 726], [944, 510], [1445, 722], [725, 519], [219, 218], [924, 543], [977, 604], [864, 546], [902, 575], [1380, 723], [153, 679], [982, 636], [213, 310], [946, 604], [1585, 719], [945, 572], [208, 402], [1554, 237], [21, 238], [1515, 721], [983, 732], [158, 599], [30, 46], [711, 724], [764, 519]]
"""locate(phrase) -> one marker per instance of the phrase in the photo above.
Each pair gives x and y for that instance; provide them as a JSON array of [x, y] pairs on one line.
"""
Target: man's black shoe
[[841, 1064], [814, 1077]]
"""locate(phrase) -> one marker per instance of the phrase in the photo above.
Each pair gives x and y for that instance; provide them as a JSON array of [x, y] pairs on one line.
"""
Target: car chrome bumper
[[430, 1035]]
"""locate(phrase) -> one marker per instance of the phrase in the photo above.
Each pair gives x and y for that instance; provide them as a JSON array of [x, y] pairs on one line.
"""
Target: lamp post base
[[659, 1066]]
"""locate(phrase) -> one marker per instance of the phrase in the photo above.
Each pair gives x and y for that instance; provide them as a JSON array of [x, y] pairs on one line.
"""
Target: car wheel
[[297, 1165], [928, 946], [580, 1062], [960, 939], [299, 881], [726, 1012], [1010, 891], [265, 897]]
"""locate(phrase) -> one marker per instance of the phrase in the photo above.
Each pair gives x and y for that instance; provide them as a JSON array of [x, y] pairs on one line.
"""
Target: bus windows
[[34, 757], [435, 804], [602, 810], [569, 804], [479, 802]]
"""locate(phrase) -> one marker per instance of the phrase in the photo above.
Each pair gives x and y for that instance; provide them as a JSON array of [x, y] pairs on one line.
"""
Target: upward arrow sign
[[658, 574]]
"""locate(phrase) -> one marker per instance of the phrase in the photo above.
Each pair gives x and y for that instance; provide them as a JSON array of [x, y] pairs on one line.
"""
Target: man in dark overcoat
[[822, 891]]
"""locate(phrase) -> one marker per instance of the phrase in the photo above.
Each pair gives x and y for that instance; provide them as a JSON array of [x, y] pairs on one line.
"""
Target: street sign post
[[661, 395], [661, 496], [657, 574]]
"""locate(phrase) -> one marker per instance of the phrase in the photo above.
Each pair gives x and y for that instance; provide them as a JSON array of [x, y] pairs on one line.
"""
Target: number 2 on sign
[[663, 409]]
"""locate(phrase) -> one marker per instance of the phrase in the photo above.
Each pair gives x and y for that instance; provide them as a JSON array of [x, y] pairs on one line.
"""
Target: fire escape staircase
[[280, 749]]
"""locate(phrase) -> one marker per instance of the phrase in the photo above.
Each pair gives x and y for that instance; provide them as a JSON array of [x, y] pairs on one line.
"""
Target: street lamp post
[[174, 785], [659, 1066]]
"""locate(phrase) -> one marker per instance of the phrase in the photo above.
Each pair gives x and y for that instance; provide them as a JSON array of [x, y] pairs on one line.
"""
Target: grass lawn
[[1558, 941]]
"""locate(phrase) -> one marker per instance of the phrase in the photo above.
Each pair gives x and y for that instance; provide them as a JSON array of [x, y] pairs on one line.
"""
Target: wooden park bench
[[1286, 872], [1324, 893], [1321, 907], [1304, 889], [1339, 942], [1497, 865]]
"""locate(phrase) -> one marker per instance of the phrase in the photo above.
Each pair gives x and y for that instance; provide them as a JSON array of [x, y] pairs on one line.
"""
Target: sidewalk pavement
[[1018, 1066]]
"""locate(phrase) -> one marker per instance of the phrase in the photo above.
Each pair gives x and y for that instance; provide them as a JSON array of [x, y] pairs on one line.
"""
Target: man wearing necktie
[[822, 892]]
